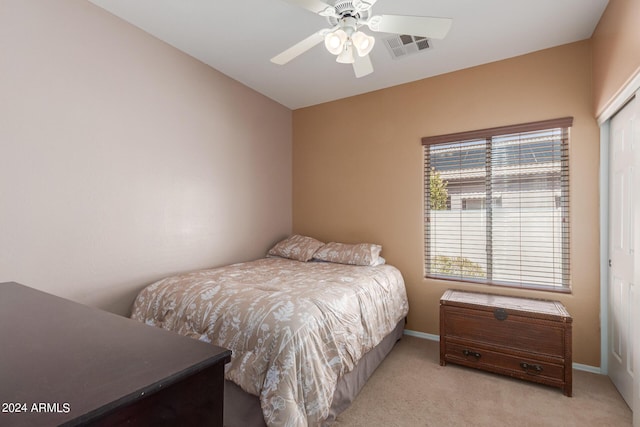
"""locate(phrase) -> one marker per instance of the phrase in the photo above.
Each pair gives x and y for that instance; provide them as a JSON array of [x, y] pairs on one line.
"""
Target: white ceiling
[[239, 37]]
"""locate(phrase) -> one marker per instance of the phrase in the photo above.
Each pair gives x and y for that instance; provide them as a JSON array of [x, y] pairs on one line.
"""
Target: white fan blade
[[425, 26], [315, 6], [299, 48], [362, 65]]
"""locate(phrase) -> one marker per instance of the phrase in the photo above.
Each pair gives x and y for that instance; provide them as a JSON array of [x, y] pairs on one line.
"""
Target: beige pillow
[[354, 254], [296, 247]]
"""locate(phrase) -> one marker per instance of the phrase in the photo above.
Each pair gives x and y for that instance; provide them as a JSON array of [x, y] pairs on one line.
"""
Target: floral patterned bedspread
[[293, 327]]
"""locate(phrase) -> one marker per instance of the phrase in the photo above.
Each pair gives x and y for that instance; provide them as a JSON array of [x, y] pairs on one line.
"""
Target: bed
[[306, 327]]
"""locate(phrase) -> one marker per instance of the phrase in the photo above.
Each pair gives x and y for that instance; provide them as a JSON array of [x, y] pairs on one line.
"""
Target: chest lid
[[536, 308]]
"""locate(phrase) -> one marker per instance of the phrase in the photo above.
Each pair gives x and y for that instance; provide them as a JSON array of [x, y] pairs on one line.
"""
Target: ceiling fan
[[345, 40]]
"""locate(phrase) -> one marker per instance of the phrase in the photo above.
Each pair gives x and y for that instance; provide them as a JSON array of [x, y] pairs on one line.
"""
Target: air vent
[[403, 45]]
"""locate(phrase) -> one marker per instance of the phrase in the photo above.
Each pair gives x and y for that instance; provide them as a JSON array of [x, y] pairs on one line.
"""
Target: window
[[497, 205]]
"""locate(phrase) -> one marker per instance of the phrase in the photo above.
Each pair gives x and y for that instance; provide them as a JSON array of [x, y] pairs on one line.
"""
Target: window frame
[[564, 123]]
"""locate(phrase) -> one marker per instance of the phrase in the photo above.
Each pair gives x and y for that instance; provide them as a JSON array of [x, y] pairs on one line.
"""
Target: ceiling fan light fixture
[[346, 56], [334, 42], [363, 43], [351, 46]]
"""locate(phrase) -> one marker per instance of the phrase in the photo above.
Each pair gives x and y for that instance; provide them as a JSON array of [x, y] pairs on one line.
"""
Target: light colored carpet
[[410, 388]]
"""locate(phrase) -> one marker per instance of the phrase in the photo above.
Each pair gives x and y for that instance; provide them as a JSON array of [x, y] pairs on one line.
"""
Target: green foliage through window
[[458, 266], [438, 191]]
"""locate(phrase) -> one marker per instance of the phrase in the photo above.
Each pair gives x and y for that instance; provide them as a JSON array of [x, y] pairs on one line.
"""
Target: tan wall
[[616, 50], [358, 169], [123, 160]]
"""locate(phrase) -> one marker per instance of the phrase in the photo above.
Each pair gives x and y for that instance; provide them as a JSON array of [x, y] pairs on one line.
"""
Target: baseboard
[[431, 337], [422, 335], [587, 368]]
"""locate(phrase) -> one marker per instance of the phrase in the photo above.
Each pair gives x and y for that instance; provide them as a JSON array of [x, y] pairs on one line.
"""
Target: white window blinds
[[497, 205]]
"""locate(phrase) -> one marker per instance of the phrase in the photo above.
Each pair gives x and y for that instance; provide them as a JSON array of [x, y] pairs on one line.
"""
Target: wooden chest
[[523, 338]]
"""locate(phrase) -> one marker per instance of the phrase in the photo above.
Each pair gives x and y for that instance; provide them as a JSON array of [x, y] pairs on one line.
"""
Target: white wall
[[123, 160]]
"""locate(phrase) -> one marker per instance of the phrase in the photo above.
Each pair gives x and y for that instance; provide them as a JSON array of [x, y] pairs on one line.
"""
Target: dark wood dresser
[[63, 363], [523, 338]]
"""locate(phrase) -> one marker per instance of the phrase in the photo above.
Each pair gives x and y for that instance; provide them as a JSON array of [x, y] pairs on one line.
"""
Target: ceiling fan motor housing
[[345, 9]]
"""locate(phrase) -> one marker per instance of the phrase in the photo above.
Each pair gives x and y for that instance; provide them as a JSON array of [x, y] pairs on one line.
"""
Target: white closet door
[[635, 304], [624, 145]]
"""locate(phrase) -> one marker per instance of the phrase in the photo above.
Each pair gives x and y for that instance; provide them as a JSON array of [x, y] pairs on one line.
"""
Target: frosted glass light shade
[[346, 56], [363, 43], [334, 42]]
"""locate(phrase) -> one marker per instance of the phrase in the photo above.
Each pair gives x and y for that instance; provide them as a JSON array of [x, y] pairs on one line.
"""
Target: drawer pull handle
[[531, 369], [468, 353]]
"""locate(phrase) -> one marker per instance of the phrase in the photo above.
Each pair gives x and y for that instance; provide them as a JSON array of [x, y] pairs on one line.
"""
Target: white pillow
[[353, 254], [296, 247]]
